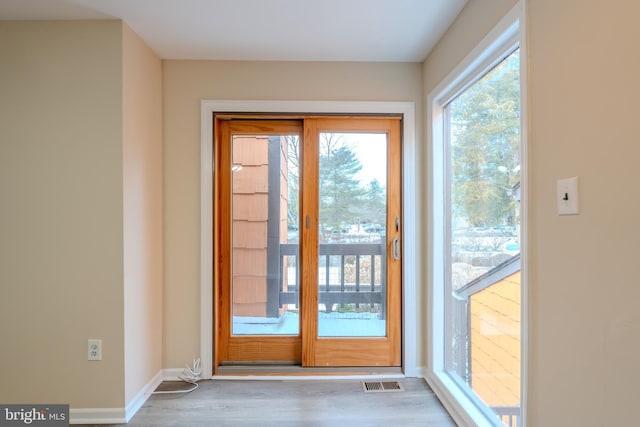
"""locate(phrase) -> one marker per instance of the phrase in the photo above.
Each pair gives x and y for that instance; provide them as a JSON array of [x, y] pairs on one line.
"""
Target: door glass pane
[[265, 235], [483, 276], [352, 235]]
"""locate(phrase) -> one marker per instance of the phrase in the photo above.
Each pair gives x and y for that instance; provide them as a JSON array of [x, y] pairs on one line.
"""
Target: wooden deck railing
[[334, 285]]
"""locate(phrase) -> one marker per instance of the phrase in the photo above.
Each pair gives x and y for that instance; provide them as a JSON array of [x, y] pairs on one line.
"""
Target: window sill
[[462, 409]]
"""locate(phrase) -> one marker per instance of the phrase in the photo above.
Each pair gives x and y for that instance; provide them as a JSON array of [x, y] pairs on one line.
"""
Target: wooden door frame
[[351, 351], [232, 347], [410, 209], [306, 348]]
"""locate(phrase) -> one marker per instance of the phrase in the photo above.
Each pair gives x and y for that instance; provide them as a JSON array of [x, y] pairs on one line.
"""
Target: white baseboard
[[138, 400], [116, 415], [172, 374], [422, 372], [97, 416]]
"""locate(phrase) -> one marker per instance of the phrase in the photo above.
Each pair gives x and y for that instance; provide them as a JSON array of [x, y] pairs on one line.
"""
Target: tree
[[340, 191], [342, 197], [374, 204], [485, 147], [293, 179]]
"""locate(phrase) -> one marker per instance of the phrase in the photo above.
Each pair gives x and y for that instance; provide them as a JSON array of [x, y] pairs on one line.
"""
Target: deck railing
[[335, 284], [508, 415]]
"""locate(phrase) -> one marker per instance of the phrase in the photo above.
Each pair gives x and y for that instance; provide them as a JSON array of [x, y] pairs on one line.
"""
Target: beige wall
[[142, 195], [186, 83], [61, 242], [584, 322], [81, 224], [473, 23]]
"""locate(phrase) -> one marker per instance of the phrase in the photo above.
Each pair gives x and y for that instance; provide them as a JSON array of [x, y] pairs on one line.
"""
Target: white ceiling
[[265, 30]]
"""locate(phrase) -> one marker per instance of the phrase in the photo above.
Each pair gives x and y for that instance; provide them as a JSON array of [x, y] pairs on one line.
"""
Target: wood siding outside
[[495, 342], [250, 215]]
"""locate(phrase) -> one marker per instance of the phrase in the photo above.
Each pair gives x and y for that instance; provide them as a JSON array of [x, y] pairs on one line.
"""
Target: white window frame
[[410, 268], [509, 32]]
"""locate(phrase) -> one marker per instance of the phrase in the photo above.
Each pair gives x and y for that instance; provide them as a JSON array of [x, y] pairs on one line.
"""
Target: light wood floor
[[292, 403]]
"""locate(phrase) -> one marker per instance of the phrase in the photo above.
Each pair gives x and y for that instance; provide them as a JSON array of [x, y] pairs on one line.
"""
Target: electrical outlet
[[94, 350]]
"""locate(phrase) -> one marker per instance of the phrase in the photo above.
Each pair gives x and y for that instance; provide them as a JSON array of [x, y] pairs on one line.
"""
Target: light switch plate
[[568, 196]]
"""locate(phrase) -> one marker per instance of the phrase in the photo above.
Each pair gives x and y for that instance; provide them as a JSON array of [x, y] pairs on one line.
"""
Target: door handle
[[395, 248]]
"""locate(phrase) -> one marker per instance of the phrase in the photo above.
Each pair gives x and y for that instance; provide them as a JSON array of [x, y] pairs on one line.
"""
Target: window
[[476, 305], [482, 243]]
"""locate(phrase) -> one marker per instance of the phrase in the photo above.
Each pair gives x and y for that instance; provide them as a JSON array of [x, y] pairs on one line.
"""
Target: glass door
[[259, 184], [354, 263], [352, 234], [308, 237]]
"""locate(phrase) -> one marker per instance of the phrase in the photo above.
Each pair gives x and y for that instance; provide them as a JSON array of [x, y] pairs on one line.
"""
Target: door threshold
[[297, 370]]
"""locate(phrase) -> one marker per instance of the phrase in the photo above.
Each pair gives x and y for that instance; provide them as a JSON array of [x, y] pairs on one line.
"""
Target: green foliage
[[485, 143], [340, 191], [374, 203], [344, 200]]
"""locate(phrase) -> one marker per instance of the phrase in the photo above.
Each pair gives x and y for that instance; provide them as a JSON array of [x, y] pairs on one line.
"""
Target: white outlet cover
[[94, 349], [567, 196]]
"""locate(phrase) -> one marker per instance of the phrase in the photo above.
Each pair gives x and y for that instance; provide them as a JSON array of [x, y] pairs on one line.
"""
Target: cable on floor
[[190, 375], [195, 386]]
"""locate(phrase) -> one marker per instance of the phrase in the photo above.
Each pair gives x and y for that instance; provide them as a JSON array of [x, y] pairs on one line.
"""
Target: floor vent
[[381, 386]]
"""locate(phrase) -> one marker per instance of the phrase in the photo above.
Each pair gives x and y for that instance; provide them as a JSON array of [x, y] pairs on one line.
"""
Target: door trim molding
[[410, 269]]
